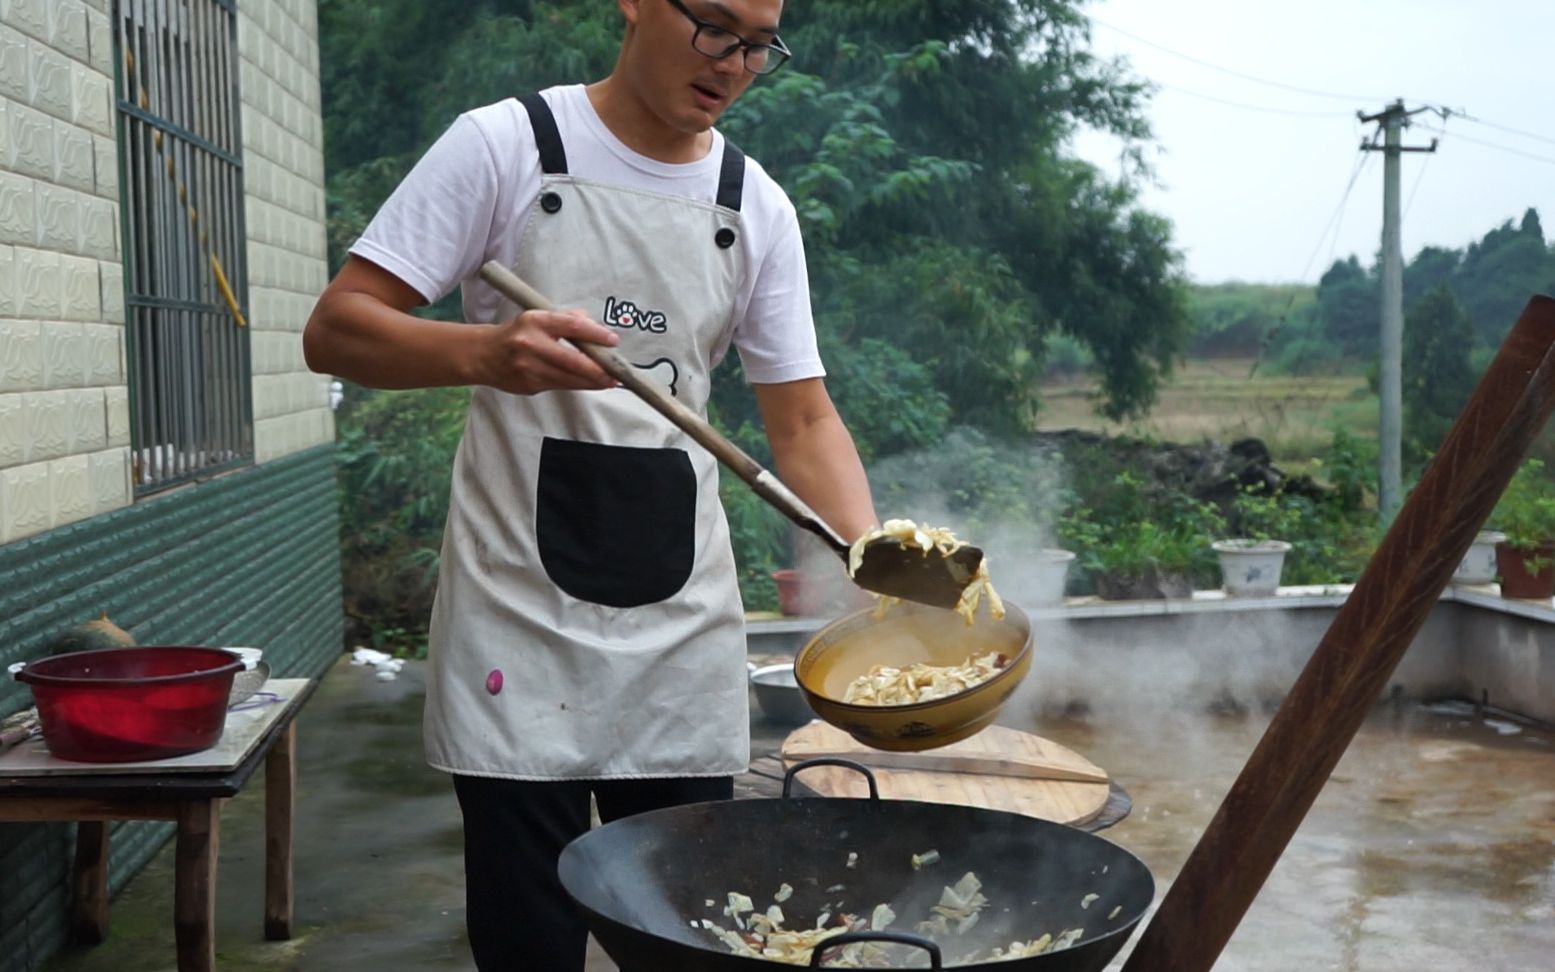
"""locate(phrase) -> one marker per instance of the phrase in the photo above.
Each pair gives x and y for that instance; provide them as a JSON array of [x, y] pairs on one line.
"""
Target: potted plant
[[1251, 561], [1478, 566], [1526, 514], [1050, 575], [1135, 546], [787, 581]]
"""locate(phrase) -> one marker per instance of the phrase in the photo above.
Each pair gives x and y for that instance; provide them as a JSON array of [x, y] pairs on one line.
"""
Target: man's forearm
[[358, 337], [820, 463]]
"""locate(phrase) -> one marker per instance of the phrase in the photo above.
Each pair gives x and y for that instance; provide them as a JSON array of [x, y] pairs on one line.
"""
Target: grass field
[[1223, 400]]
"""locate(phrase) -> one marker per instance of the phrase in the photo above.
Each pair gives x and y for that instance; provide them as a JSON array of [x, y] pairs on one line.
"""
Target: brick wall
[[64, 402], [64, 407], [283, 173]]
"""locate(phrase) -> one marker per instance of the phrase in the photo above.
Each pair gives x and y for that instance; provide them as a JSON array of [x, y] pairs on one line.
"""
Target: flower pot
[[1478, 566], [1527, 573], [1154, 585], [1251, 568], [1050, 572], [787, 581]]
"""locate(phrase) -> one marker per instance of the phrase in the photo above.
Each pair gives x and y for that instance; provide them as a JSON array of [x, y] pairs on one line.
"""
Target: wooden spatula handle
[[766, 485]]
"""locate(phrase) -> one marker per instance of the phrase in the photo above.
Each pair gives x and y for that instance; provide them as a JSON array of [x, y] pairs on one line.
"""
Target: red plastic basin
[[121, 705]]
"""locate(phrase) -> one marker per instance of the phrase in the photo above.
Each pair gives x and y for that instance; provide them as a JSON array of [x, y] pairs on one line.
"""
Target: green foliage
[[395, 74], [1257, 514], [1491, 279], [1134, 529], [1351, 469], [1438, 377], [396, 452], [1526, 510], [1064, 357], [1349, 304], [923, 145], [760, 536], [1242, 319], [979, 481], [888, 400], [1329, 543]]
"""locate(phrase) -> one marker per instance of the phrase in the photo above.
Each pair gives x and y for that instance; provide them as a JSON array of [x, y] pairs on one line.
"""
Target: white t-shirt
[[469, 198]]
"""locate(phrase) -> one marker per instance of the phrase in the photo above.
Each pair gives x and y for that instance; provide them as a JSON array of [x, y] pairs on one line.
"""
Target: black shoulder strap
[[553, 158], [731, 178]]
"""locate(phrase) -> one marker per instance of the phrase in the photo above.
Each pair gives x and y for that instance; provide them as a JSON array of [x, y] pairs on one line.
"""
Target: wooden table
[[94, 797]]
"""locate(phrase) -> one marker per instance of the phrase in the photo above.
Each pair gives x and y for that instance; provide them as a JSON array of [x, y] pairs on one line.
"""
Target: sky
[[1256, 188]]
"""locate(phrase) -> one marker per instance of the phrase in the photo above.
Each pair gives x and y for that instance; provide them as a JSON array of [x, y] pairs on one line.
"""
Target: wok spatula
[[887, 567]]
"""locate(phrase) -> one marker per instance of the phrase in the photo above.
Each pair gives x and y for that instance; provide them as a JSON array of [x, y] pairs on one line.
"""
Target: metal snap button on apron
[[551, 202], [724, 238]]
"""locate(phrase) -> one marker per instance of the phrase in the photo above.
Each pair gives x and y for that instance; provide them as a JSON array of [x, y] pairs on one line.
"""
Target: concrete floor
[[1433, 847]]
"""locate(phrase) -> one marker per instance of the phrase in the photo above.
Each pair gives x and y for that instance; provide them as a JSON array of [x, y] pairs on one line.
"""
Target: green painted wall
[[249, 558]]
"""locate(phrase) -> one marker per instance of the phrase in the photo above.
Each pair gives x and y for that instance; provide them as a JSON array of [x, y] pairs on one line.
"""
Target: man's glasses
[[711, 40]]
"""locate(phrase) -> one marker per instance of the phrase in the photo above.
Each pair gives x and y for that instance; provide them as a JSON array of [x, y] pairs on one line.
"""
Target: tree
[[923, 143], [926, 157], [1350, 307], [949, 232], [1500, 272], [1438, 378]]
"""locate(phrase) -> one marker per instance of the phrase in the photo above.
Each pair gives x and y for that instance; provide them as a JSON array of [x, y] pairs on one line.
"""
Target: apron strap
[[553, 158], [731, 178]]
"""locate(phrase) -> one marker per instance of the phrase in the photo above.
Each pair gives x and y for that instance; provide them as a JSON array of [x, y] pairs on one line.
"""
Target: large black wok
[[643, 880]]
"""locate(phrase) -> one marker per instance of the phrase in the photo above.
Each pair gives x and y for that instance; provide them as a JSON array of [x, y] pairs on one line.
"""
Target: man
[[587, 634]]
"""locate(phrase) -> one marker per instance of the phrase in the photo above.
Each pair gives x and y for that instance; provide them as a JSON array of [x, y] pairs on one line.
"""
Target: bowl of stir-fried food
[[913, 677]]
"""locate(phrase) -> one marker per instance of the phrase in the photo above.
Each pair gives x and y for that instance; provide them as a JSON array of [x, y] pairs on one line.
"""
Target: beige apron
[[588, 623]]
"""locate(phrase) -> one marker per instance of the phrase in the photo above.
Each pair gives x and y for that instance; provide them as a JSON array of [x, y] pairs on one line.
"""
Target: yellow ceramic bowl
[[907, 635]]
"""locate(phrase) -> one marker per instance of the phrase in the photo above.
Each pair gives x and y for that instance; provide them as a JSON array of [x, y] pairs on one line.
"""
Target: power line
[[1240, 104], [1238, 74], [1337, 219], [1444, 111], [1334, 222], [1420, 173], [1440, 109], [1494, 145]]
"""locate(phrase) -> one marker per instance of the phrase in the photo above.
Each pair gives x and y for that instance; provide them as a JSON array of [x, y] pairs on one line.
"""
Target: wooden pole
[[1351, 665], [280, 812]]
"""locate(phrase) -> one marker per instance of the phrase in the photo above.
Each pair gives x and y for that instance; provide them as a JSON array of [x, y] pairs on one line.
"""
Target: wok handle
[[766, 485], [900, 938], [788, 778]]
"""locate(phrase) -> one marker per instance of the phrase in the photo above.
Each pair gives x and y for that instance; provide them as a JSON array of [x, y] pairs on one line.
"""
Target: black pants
[[518, 916]]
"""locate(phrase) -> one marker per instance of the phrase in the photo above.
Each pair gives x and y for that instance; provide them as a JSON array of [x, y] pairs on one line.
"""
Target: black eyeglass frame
[[777, 47]]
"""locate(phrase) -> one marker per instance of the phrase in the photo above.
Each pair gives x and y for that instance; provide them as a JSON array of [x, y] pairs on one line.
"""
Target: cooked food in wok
[[888, 685], [762, 935], [646, 882], [938, 541]]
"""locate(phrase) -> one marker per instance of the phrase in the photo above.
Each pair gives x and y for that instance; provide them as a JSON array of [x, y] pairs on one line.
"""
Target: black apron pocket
[[616, 525]]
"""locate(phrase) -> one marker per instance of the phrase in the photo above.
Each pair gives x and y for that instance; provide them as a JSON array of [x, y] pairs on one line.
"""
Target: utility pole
[[1390, 385]]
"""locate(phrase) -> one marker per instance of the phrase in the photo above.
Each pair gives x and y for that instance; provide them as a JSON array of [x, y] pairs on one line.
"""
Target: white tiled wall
[[283, 173], [64, 404]]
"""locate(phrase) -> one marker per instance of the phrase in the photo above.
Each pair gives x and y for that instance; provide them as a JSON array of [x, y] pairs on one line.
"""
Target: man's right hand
[[526, 355], [362, 330]]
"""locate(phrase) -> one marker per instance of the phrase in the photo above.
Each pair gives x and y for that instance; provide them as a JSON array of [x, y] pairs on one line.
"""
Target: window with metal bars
[[185, 276]]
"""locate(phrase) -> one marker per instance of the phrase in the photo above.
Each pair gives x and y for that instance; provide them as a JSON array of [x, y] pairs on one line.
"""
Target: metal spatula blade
[[925, 577]]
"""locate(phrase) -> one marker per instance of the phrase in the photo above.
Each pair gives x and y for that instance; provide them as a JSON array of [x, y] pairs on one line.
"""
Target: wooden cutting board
[[998, 769]]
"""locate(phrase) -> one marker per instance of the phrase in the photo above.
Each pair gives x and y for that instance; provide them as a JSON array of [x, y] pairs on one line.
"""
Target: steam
[[1130, 671]]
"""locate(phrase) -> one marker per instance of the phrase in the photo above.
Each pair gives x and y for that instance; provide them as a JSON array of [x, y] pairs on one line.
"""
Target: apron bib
[[588, 623]]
